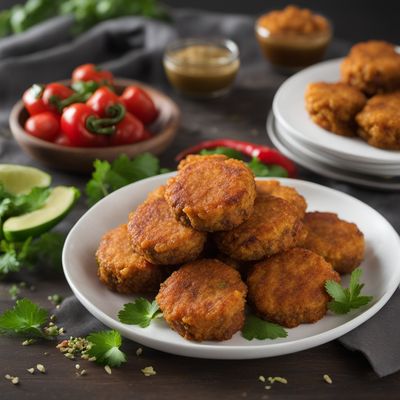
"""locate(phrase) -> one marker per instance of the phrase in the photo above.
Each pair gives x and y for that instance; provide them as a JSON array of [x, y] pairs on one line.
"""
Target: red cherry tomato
[[45, 126], [74, 123], [101, 100], [140, 104], [54, 93], [90, 72], [33, 100], [129, 130]]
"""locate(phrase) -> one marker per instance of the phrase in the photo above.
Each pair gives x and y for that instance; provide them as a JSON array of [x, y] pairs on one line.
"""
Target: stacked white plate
[[348, 159]]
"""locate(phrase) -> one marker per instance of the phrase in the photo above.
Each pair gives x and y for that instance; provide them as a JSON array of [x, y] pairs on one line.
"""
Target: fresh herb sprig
[[346, 299], [141, 312], [257, 328], [108, 177]]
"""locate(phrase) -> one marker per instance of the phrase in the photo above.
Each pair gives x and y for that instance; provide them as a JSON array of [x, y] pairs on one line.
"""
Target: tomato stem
[[106, 126]]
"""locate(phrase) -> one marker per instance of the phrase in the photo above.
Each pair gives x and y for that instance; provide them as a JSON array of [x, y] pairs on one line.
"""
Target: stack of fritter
[[217, 228], [371, 70]]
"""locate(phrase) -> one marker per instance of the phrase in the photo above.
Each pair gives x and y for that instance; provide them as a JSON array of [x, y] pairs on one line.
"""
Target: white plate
[[324, 169], [381, 275], [289, 109], [329, 159]]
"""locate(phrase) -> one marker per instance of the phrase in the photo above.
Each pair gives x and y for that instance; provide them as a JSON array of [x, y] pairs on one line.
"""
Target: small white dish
[[381, 275], [333, 172], [289, 108]]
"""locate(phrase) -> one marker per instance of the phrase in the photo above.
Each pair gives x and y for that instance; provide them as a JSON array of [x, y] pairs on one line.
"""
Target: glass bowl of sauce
[[293, 38], [202, 68]]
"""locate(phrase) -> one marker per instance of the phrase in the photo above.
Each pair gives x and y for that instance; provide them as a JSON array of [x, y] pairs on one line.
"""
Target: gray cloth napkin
[[132, 47]]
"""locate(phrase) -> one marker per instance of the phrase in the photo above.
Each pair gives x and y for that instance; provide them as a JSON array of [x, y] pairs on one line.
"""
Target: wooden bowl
[[80, 159]]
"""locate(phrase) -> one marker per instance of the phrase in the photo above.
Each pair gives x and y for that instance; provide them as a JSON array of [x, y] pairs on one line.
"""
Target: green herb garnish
[[257, 328], [141, 312]]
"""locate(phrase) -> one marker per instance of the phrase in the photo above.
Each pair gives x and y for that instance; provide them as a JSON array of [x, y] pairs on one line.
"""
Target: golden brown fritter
[[333, 106], [212, 193], [123, 270], [157, 236], [204, 300], [274, 226], [372, 67], [341, 243], [379, 121], [288, 288], [274, 188]]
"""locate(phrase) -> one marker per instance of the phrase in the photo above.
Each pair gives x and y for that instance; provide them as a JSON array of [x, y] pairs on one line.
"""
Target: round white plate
[[323, 169], [329, 159], [289, 109], [381, 275]]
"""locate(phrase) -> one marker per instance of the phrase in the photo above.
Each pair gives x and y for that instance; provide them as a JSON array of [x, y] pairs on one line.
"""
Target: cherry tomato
[[140, 104], [74, 123], [33, 100], [45, 126], [129, 130], [90, 72], [54, 93], [101, 100]]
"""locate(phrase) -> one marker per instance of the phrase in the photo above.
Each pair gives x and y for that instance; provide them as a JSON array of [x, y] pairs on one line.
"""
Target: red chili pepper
[[33, 99], [129, 130], [265, 154], [90, 72], [101, 100], [45, 125], [54, 94], [140, 104]]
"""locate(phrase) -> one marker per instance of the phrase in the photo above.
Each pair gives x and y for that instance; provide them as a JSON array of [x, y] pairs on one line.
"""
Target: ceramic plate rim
[[187, 348]]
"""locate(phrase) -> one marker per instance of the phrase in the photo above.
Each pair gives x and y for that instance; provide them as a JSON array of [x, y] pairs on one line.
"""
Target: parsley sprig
[[141, 312], [108, 177], [257, 328], [345, 299]]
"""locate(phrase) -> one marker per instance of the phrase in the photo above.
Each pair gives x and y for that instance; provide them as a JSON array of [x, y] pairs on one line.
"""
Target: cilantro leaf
[[109, 177], [261, 170], [105, 347], [32, 201], [12, 256], [256, 328], [226, 151], [141, 312], [25, 319], [345, 299]]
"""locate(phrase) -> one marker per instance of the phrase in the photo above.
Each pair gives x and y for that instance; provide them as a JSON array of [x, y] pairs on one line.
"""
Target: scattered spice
[[31, 370], [83, 372], [41, 368], [261, 378], [327, 379], [148, 371], [139, 351], [268, 387], [14, 379], [28, 342], [108, 369], [77, 366], [56, 299], [272, 379], [75, 346]]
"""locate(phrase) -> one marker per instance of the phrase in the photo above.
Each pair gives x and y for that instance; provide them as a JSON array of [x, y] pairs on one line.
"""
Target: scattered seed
[[148, 371], [56, 299], [28, 342], [31, 370], [77, 366], [15, 380], [108, 369], [139, 351], [8, 376], [327, 379], [92, 358], [277, 379], [52, 317], [261, 378], [46, 353], [83, 372], [58, 306], [70, 356], [41, 368], [268, 387]]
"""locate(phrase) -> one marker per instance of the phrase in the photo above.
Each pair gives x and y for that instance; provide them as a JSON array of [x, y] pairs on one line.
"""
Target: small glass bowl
[[202, 68], [292, 52]]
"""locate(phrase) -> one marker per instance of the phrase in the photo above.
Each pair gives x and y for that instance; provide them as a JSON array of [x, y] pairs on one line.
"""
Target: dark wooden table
[[240, 115]]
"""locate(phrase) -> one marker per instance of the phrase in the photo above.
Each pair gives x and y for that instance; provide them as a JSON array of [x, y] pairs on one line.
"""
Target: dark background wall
[[353, 20]]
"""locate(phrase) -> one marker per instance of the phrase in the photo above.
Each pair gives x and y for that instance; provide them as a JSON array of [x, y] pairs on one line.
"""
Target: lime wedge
[[19, 179], [58, 204]]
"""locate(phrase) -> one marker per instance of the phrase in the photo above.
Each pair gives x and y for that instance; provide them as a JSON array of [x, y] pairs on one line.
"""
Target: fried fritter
[[274, 226], [288, 288], [379, 121], [204, 300], [341, 243], [274, 188], [333, 106], [211, 193], [157, 236], [372, 67], [123, 270]]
